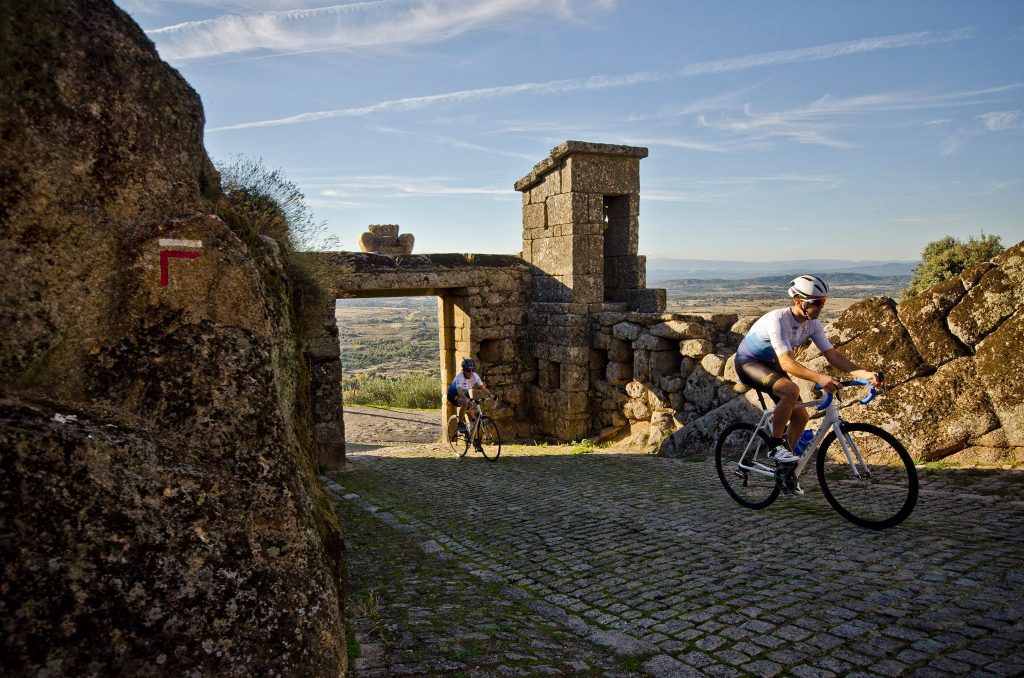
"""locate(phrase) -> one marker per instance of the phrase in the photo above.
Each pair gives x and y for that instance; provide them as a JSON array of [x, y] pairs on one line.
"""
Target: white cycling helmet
[[807, 287]]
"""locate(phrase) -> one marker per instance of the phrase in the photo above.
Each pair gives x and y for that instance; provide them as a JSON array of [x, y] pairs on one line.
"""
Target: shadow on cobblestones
[[626, 562]]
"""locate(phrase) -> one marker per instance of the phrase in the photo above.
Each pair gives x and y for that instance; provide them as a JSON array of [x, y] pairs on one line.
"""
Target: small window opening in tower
[[616, 242]]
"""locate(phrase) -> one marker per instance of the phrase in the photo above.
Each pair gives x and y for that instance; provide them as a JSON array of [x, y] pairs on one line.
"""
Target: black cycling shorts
[[761, 376]]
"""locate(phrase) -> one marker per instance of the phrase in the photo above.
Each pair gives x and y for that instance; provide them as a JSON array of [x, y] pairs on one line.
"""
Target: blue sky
[[777, 130]]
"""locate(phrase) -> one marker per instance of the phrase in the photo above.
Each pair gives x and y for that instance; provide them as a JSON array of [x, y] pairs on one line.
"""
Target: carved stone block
[[384, 239]]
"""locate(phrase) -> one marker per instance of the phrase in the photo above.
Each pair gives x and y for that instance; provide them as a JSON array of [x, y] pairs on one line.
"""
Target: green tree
[[947, 257]]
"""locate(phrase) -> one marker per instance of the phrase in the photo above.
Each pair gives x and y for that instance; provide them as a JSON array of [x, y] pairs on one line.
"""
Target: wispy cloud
[[951, 145], [681, 143], [156, 6], [786, 182], [732, 189], [597, 82], [683, 197], [603, 82], [374, 23], [790, 125], [998, 121], [457, 143], [818, 122], [339, 190], [991, 187], [828, 51]]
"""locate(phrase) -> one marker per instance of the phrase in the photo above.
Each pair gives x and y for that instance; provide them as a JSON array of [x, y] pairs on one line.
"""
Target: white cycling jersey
[[462, 384], [778, 332]]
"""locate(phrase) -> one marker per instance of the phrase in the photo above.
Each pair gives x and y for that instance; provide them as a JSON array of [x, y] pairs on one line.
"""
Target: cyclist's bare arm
[[841, 362], [790, 365]]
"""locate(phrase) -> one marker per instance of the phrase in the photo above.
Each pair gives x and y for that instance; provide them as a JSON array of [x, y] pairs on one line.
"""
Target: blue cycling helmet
[[469, 363]]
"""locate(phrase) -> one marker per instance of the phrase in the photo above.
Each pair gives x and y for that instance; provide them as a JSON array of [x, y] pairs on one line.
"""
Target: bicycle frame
[[830, 422], [476, 419]]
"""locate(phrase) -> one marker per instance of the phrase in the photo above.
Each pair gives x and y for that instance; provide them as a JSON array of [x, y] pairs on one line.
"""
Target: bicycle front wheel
[[489, 438], [883, 491], [743, 467], [457, 441]]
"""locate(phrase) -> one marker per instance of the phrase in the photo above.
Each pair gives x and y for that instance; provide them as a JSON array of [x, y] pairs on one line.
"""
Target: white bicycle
[[864, 472], [482, 434]]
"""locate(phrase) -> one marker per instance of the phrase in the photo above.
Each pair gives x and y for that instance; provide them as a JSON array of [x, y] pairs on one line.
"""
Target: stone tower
[[581, 209]]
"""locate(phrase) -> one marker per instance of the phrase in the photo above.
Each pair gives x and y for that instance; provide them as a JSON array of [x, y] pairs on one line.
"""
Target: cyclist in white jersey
[[458, 393], [764, 360]]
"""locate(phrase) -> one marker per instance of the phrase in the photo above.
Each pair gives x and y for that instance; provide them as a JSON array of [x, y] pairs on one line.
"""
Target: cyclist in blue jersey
[[764, 361], [458, 392]]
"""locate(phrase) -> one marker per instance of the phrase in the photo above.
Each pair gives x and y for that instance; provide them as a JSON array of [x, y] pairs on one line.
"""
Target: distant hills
[[662, 270]]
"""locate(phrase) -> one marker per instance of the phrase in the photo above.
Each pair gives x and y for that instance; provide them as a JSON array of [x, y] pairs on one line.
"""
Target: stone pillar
[[446, 338], [323, 355], [581, 209], [456, 341]]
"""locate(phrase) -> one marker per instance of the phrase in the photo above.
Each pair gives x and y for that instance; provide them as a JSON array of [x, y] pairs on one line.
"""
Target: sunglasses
[[815, 302]]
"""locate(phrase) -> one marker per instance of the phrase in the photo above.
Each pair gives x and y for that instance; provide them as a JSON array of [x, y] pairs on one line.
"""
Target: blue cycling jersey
[[778, 332]]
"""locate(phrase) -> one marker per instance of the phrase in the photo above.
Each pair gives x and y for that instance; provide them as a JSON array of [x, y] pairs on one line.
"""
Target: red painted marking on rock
[[166, 256]]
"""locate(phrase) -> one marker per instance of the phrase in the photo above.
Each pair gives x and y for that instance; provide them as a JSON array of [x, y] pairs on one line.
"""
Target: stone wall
[[652, 373], [322, 352]]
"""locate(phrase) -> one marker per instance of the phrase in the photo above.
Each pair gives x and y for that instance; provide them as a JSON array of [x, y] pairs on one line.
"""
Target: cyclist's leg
[[763, 377], [771, 379], [465, 408], [797, 422]]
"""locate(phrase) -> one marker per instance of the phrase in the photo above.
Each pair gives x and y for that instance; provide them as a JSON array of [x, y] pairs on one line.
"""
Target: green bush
[[948, 257], [411, 391], [270, 204]]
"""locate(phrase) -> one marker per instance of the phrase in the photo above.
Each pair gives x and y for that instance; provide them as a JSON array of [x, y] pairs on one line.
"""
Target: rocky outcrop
[[952, 356], [158, 490]]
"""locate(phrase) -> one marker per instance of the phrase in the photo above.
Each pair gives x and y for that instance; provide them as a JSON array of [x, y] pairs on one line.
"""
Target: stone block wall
[[489, 322], [581, 209], [653, 373], [581, 227], [559, 334]]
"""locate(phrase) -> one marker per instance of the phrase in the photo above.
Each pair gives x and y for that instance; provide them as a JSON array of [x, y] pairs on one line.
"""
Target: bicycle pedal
[[785, 477]]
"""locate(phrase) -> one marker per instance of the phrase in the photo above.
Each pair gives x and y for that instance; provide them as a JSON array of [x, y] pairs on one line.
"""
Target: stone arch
[[483, 304]]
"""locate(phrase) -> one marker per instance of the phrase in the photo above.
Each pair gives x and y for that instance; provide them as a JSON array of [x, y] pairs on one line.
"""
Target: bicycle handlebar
[[854, 382]]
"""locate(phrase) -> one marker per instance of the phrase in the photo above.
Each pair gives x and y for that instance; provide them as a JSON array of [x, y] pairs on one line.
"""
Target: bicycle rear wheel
[[752, 485], [489, 438], [457, 441], [885, 494]]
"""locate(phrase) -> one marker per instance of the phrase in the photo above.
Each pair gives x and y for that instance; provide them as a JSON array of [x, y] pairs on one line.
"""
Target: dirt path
[[376, 426]]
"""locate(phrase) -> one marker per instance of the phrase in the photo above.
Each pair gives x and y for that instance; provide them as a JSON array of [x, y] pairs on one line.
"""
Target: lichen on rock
[[158, 476]]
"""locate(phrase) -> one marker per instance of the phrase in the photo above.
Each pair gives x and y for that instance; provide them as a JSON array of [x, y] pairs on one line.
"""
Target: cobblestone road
[[609, 564]]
